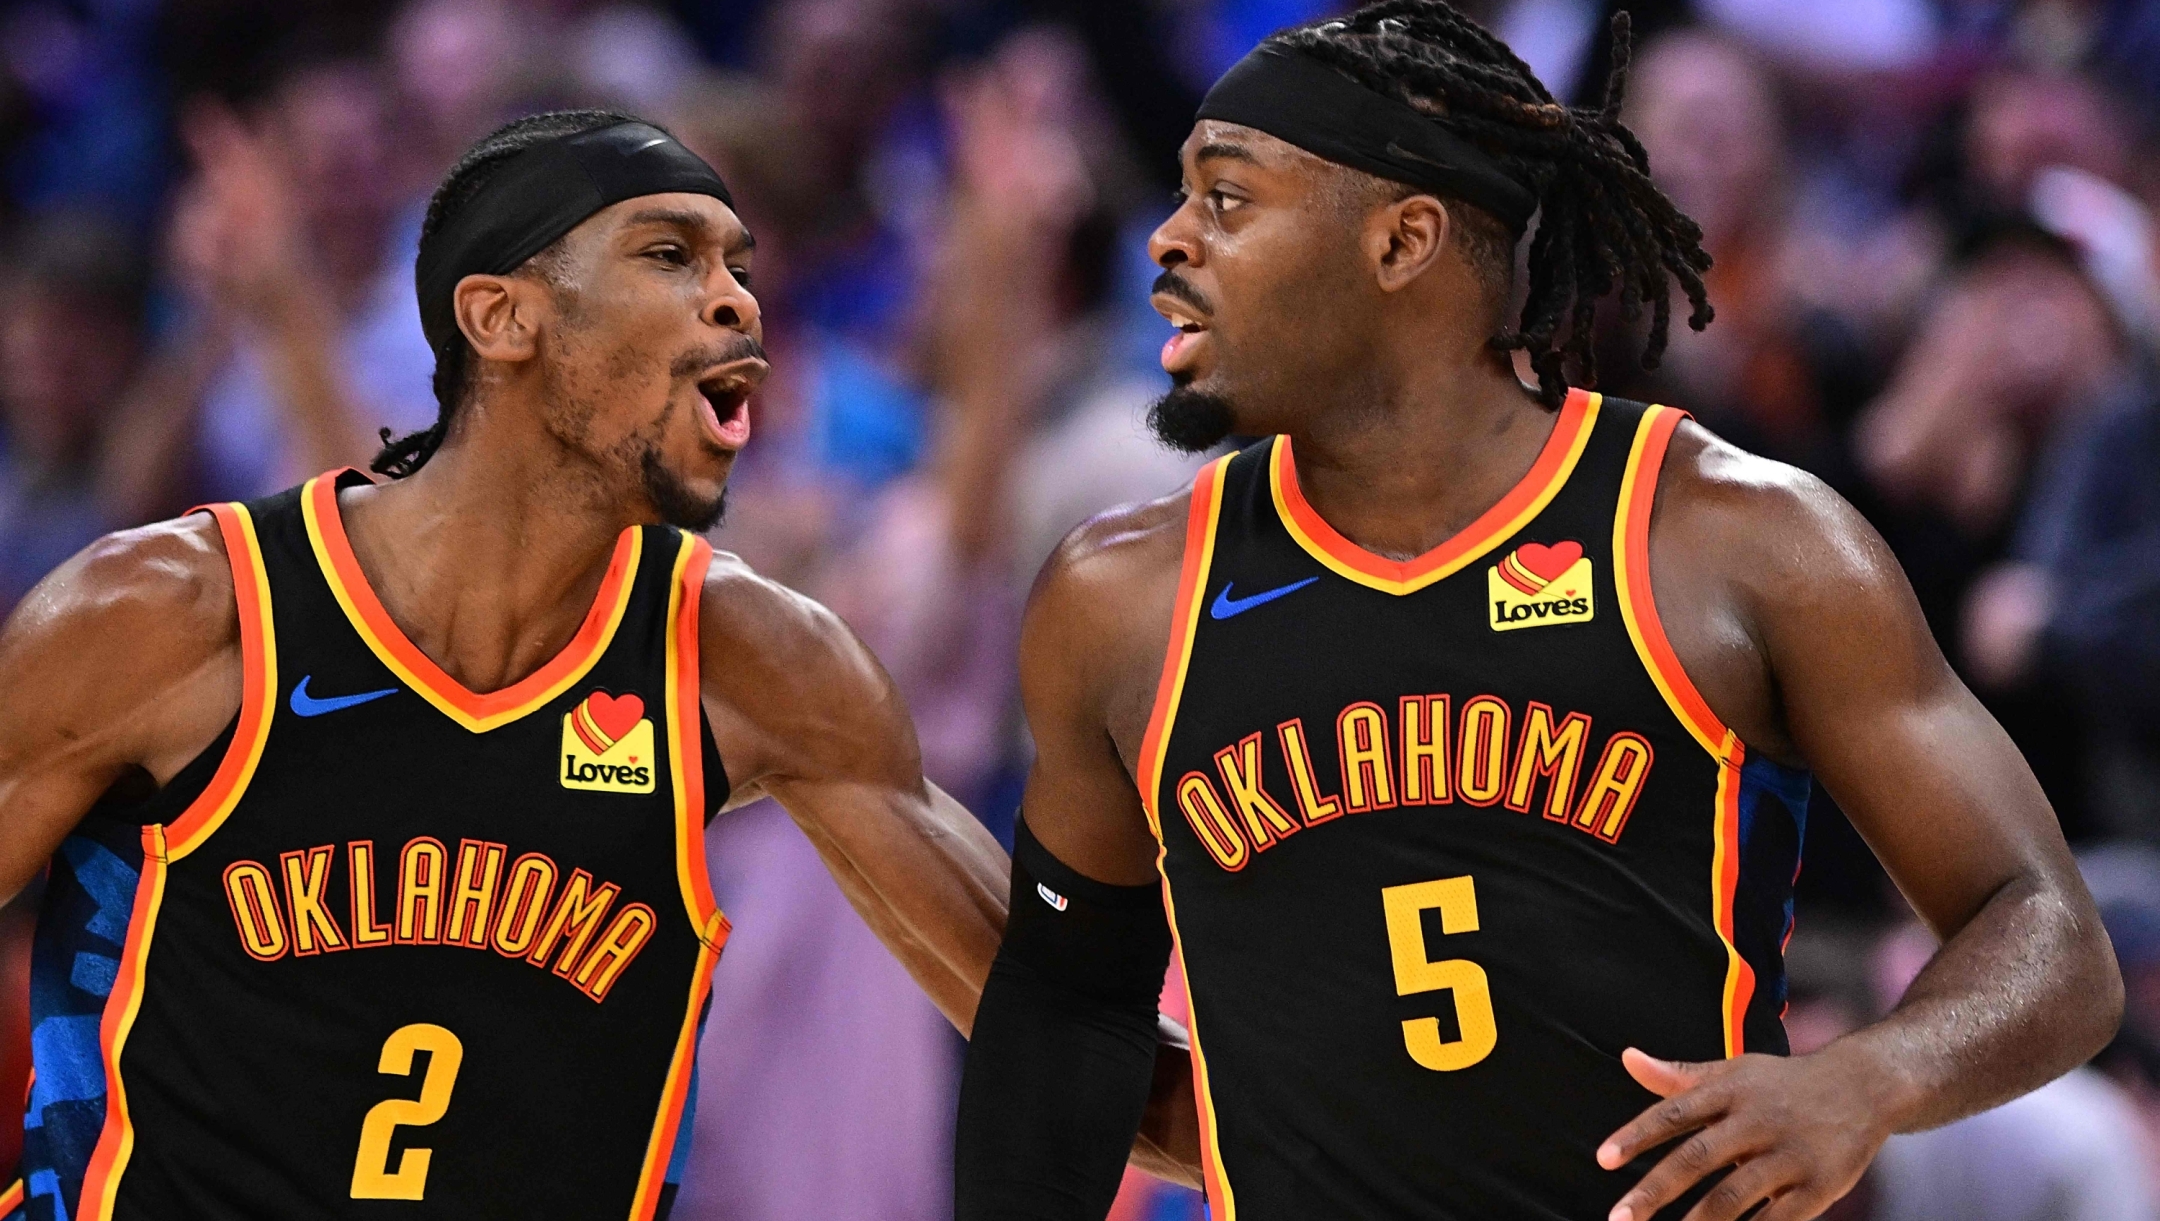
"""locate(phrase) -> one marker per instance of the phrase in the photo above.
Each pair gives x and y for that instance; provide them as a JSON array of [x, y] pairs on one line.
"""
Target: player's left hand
[[1797, 1131]]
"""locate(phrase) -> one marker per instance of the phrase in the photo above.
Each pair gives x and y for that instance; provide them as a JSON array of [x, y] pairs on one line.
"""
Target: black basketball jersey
[[391, 949], [1441, 838]]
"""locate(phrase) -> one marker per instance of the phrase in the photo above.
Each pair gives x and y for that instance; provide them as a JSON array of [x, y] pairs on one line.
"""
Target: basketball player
[[1469, 723], [374, 813]]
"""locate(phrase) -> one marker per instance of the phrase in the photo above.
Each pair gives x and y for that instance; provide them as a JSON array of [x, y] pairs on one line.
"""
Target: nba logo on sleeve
[[607, 745], [1540, 584]]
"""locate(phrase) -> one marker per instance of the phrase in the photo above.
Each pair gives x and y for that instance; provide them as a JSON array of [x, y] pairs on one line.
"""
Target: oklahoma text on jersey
[[465, 913], [1430, 757]]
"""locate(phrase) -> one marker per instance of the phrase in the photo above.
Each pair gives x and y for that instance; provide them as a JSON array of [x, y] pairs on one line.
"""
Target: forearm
[[2024, 992], [1065, 1051], [952, 989], [934, 893], [1051, 1100]]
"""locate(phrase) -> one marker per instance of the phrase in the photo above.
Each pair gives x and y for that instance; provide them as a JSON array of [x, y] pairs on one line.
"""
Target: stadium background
[[1937, 282]]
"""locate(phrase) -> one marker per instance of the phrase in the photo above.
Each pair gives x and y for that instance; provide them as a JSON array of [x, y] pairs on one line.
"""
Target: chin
[[1191, 418], [688, 502]]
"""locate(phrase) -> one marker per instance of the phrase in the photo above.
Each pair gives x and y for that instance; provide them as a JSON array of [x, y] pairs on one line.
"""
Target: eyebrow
[[1224, 150], [693, 221]]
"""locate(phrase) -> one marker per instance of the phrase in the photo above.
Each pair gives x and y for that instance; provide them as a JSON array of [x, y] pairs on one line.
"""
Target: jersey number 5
[[1415, 972], [372, 1178]]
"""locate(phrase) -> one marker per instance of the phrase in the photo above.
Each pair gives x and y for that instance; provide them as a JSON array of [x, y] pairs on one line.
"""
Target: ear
[[500, 315], [1405, 239]]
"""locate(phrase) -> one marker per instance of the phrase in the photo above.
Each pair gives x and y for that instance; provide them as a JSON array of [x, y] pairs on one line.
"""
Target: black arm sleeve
[[1064, 1046]]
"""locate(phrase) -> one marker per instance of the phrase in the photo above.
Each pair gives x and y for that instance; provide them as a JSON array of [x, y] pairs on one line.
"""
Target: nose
[[731, 305], [1174, 241]]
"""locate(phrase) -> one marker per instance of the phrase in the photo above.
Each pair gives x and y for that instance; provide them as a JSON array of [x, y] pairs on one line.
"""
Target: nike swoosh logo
[[1226, 606], [304, 704]]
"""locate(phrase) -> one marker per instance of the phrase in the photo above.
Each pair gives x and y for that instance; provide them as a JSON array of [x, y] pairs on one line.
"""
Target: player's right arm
[[1063, 1052], [116, 670]]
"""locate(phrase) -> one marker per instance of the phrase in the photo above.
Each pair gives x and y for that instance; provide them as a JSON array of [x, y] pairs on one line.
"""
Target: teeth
[[1182, 321]]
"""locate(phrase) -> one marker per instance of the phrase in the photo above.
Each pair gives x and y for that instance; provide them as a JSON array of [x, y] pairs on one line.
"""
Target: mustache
[[697, 360], [1169, 285]]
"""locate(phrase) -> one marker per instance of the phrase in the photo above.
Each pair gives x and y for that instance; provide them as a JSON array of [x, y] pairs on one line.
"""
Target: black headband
[[1296, 98], [541, 194]]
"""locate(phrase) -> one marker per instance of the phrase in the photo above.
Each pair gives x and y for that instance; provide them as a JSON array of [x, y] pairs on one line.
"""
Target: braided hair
[[401, 456], [1602, 224]]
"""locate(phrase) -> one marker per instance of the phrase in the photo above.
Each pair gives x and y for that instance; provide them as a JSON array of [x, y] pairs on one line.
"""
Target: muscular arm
[[1061, 1059], [121, 666], [804, 714], [1802, 634]]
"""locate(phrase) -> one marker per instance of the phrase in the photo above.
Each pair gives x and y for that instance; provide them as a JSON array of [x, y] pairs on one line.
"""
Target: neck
[[1420, 447], [489, 556]]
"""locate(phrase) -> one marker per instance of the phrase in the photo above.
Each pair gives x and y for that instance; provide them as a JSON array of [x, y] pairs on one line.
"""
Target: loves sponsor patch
[[607, 745], [1538, 585]]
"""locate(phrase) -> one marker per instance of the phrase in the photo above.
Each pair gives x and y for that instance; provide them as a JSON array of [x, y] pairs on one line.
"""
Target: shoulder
[[1105, 561], [166, 591], [789, 686], [165, 588], [756, 623], [1099, 619], [1770, 584], [1772, 527]]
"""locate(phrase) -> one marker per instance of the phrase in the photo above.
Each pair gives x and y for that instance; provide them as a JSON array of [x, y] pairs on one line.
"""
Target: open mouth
[[726, 392], [1182, 349]]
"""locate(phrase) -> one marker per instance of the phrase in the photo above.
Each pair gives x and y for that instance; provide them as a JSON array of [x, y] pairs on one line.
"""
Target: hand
[[236, 234], [1797, 1131]]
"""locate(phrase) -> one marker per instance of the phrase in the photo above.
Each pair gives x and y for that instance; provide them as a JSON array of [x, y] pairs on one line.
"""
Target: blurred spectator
[[71, 305], [1031, 437], [2073, 1150], [456, 68], [284, 234], [2079, 603], [2125, 881], [2019, 341], [1708, 113], [2070, 1151]]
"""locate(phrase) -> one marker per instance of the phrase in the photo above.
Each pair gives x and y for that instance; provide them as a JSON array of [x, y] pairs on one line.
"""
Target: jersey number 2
[[1415, 972], [372, 1178]]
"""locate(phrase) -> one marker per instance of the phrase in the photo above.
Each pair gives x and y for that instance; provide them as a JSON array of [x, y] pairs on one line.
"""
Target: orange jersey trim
[[676, 1093], [1200, 521], [687, 759], [1638, 609], [258, 686], [1631, 574], [116, 1140], [686, 765], [1184, 626], [475, 711], [163, 845], [1725, 885], [1555, 462], [12, 1198], [1222, 1202]]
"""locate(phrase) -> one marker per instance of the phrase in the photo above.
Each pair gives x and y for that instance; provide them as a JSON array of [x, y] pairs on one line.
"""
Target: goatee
[[677, 504], [1190, 421]]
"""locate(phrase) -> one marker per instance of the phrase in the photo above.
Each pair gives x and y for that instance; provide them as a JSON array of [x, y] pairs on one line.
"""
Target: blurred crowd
[[1937, 282]]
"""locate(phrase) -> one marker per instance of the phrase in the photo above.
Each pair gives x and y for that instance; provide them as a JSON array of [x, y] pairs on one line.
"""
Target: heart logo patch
[[1533, 566], [602, 719]]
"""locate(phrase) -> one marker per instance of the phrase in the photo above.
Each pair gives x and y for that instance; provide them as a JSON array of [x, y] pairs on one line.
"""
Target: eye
[[1221, 201], [741, 274], [671, 254]]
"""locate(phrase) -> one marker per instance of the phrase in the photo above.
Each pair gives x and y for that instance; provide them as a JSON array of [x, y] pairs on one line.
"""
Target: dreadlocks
[[401, 456], [1602, 224]]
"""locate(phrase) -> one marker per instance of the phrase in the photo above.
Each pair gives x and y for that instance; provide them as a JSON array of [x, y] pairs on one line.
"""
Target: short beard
[[676, 504], [1191, 421]]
